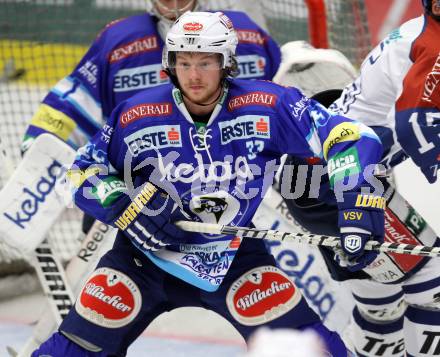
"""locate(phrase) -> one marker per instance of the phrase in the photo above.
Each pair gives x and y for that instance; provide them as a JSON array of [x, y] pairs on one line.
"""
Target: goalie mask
[[167, 11], [201, 32]]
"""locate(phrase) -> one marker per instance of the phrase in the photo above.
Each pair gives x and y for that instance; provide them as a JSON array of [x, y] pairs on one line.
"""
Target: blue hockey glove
[[361, 218], [148, 220]]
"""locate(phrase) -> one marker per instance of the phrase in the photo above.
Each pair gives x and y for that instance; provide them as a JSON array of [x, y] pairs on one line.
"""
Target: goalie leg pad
[[36, 194]]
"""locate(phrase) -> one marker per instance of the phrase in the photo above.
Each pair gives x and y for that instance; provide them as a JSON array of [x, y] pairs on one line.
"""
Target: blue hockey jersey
[[124, 59], [219, 174]]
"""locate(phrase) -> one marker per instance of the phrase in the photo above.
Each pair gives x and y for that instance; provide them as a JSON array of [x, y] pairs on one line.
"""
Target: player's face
[[199, 75], [172, 9], [436, 7]]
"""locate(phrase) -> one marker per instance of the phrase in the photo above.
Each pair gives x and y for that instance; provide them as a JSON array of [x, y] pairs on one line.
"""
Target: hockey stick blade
[[312, 239]]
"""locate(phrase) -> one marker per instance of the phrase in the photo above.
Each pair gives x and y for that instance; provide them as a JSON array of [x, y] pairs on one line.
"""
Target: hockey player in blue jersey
[[124, 59], [204, 148]]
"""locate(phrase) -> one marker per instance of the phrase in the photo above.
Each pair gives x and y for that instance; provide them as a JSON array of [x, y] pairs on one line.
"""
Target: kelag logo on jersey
[[158, 137], [245, 127], [251, 66], [139, 78]]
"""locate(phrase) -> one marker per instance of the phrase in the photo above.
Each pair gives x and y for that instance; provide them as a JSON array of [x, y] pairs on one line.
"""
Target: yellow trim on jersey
[[77, 176], [43, 63], [53, 121], [342, 132]]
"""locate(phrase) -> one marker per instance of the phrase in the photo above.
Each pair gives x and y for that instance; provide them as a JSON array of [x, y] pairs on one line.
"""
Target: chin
[[197, 97]]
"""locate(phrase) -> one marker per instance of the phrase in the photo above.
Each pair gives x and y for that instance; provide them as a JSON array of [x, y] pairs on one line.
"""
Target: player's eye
[[205, 65], [209, 66], [184, 65]]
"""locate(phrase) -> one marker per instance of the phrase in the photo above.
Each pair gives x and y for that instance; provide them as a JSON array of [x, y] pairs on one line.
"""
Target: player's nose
[[194, 73]]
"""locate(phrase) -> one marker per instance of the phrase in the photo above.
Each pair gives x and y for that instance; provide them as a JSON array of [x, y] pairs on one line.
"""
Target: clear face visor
[[172, 9], [201, 61]]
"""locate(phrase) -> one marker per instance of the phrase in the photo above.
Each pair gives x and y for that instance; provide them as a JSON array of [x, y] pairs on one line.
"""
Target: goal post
[[318, 33], [336, 24]]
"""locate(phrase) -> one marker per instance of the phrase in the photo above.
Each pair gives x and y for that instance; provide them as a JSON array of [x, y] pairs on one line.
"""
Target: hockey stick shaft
[[312, 239]]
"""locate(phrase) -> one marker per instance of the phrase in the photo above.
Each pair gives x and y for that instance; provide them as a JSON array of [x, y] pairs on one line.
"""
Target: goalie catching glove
[[148, 220], [361, 218]]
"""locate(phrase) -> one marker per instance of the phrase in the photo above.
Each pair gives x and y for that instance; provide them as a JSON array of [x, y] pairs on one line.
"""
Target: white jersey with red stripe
[[397, 93]]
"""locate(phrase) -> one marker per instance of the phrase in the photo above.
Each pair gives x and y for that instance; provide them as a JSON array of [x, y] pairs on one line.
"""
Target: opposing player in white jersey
[[203, 148], [397, 94]]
